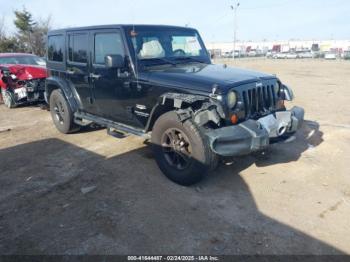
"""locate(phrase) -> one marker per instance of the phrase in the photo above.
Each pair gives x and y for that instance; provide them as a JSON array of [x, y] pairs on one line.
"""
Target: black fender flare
[[66, 87]]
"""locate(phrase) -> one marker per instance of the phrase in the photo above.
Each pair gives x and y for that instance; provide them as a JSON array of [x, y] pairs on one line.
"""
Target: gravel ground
[[89, 193]]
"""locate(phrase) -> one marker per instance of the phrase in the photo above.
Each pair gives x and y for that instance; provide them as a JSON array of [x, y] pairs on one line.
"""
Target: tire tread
[[199, 169]]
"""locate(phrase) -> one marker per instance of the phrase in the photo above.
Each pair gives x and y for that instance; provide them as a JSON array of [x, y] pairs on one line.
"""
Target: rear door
[[77, 68]]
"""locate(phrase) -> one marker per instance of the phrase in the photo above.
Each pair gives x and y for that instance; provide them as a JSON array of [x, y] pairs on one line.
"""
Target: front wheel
[[181, 150], [8, 99]]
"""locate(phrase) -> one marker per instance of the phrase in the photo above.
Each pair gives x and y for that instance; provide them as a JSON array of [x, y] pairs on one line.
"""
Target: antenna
[[234, 8], [133, 34], [135, 57]]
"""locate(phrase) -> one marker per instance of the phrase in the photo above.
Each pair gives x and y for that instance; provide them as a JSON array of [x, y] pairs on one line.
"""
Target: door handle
[[70, 71], [95, 76]]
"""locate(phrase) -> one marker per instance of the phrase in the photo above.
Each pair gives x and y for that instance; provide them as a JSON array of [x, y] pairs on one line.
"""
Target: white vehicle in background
[[330, 56], [227, 55], [252, 53], [269, 54], [280, 56], [306, 55], [291, 55], [237, 53]]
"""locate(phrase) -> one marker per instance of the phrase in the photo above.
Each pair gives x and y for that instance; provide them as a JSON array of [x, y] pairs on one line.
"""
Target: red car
[[22, 78]]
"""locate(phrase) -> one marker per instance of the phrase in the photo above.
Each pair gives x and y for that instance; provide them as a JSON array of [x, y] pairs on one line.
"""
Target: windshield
[[23, 60], [167, 46]]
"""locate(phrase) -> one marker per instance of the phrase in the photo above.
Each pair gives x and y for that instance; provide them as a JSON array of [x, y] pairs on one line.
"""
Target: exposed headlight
[[287, 93], [231, 99]]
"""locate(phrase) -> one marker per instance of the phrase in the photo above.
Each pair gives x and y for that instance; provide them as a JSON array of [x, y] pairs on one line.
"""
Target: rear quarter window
[[55, 48]]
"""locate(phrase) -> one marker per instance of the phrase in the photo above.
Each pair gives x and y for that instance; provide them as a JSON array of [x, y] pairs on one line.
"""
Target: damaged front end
[[260, 118], [22, 84], [253, 135]]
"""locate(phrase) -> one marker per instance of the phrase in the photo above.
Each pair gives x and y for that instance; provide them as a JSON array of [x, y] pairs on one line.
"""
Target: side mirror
[[114, 61], [212, 56]]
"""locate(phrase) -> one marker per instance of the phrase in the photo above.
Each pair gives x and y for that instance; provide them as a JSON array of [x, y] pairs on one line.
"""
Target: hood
[[202, 77], [27, 72]]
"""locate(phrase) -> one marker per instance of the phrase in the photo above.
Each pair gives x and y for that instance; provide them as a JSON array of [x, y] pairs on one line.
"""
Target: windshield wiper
[[158, 59], [189, 58]]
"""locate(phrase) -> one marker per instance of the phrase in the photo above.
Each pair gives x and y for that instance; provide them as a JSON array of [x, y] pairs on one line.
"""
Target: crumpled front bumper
[[253, 135], [32, 91]]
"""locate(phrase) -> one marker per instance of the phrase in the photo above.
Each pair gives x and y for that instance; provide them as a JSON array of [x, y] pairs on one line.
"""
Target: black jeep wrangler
[[158, 82]]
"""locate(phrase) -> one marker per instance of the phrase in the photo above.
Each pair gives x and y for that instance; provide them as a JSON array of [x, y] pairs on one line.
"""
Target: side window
[[55, 48], [107, 44], [78, 48]]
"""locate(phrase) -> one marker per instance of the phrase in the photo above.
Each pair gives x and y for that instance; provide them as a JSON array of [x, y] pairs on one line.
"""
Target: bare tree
[[7, 43], [2, 28], [25, 24], [39, 35], [30, 36]]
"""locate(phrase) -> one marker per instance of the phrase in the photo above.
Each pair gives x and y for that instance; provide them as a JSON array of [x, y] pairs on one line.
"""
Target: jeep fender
[[200, 108], [66, 87]]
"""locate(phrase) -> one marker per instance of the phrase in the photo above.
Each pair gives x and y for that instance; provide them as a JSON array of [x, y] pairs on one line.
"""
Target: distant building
[[281, 46]]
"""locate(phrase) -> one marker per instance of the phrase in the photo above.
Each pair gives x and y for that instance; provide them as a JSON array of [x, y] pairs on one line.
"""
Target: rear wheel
[[181, 150], [61, 113], [8, 99]]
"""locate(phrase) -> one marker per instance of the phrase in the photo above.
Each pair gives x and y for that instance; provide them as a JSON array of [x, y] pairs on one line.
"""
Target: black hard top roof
[[126, 26]]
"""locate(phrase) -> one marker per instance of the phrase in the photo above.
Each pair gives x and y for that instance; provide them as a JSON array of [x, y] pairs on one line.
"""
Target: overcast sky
[[257, 19]]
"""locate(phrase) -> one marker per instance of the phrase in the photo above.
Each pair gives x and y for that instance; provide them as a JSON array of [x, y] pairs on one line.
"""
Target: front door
[[108, 84]]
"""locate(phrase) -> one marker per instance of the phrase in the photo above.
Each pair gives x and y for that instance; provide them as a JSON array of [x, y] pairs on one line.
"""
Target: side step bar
[[111, 124], [116, 133]]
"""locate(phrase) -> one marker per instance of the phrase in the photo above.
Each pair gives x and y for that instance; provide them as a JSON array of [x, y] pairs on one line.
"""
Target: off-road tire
[[202, 158], [61, 113], [8, 99]]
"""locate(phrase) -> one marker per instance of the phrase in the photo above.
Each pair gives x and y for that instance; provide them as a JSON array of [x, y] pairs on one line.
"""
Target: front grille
[[259, 101], [35, 85], [41, 84]]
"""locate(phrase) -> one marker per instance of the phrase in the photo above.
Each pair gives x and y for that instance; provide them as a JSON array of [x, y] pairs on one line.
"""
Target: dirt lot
[[89, 193]]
